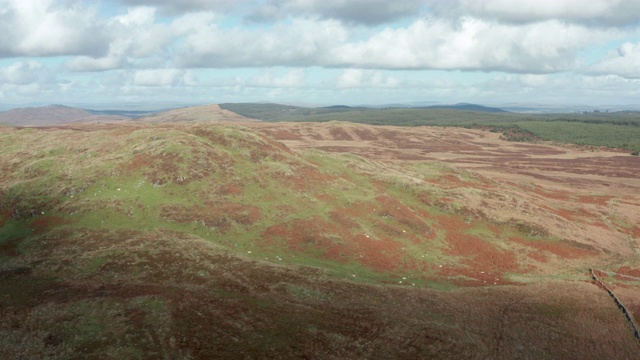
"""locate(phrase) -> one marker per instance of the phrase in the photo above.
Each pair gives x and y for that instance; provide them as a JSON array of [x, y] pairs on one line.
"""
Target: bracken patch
[[484, 261], [45, 223], [335, 243], [392, 208], [559, 249]]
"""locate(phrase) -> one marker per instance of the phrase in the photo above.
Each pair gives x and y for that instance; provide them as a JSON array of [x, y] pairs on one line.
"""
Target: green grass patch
[[15, 230], [481, 230]]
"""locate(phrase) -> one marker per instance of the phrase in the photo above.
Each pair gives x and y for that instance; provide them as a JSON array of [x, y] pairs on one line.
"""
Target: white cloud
[[298, 43], [624, 62], [292, 79], [594, 12], [156, 48], [10, 92], [89, 64], [519, 83], [611, 85], [369, 12], [28, 79], [374, 12], [560, 89], [49, 28], [178, 7], [356, 78], [472, 44], [136, 35], [163, 77], [21, 73], [201, 40]]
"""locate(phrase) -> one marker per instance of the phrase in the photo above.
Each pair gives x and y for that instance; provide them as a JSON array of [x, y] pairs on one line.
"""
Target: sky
[[319, 52]]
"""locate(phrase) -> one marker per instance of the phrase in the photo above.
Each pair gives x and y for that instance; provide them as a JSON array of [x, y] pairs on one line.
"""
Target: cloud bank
[[153, 43]]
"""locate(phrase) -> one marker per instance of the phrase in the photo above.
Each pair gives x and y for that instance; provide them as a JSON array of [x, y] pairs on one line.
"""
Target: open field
[[329, 240]]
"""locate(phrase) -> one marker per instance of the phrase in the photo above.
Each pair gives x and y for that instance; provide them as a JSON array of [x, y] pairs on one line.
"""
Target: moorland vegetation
[[201, 239], [613, 130]]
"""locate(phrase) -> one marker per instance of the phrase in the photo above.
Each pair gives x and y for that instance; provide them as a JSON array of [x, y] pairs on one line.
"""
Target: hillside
[[52, 115], [197, 239]]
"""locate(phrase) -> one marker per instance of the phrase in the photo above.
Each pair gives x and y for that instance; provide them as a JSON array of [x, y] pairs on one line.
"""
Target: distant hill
[[134, 114], [277, 112], [211, 112], [52, 115], [468, 107], [337, 107]]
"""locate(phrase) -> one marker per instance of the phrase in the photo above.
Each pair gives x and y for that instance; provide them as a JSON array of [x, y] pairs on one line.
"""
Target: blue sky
[[321, 52]]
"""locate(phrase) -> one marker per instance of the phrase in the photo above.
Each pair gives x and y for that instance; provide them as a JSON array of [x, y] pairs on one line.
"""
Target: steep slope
[[203, 240]]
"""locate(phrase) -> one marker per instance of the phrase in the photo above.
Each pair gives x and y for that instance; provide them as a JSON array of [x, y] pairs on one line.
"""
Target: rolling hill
[[163, 238], [52, 115]]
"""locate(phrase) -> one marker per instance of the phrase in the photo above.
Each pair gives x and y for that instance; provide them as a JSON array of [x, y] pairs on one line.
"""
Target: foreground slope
[[207, 240]]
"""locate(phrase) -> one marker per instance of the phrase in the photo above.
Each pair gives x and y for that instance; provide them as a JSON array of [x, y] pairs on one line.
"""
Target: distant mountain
[[468, 107], [52, 115], [134, 114], [337, 107]]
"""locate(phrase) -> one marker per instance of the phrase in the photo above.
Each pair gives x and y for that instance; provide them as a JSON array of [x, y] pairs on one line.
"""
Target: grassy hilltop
[[201, 240]]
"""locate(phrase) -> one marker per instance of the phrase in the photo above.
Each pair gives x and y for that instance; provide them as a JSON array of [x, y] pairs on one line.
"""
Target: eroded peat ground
[[255, 240]]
